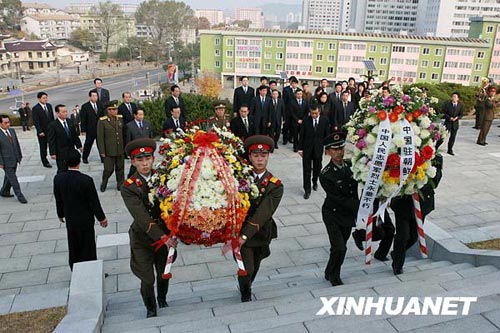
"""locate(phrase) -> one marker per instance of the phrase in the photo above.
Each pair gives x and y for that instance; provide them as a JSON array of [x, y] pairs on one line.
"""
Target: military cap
[[260, 143], [140, 147], [112, 105], [219, 104], [334, 140]]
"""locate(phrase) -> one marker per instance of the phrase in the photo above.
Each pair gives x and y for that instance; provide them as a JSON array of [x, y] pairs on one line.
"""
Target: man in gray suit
[[10, 156], [137, 128]]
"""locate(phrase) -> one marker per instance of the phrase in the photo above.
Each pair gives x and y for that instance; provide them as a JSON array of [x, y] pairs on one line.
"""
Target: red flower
[[382, 115], [409, 117], [187, 139], [393, 160], [394, 172], [399, 109], [427, 152], [393, 117], [205, 139], [417, 113]]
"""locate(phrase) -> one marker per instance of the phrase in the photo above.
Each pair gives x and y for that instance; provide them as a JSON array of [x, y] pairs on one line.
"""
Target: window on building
[[436, 64], [319, 69], [383, 61], [217, 53], [229, 42], [480, 55], [279, 56], [30, 55], [279, 67], [489, 28], [48, 64], [40, 64], [229, 64], [422, 75], [268, 55], [30, 65], [381, 72], [476, 79], [373, 48], [47, 54], [38, 55], [280, 44], [329, 70], [267, 67], [439, 52], [319, 57], [320, 45], [478, 67], [293, 43], [426, 50], [217, 63], [268, 43], [229, 53], [434, 76], [217, 41], [331, 46], [345, 46], [385, 49], [331, 58], [396, 48]]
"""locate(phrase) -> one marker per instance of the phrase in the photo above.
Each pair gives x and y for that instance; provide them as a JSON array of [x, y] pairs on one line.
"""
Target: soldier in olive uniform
[[110, 145], [147, 227], [341, 204], [259, 227], [220, 119]]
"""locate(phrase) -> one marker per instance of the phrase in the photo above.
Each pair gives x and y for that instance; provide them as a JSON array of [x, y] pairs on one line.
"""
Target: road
[[77, 93]]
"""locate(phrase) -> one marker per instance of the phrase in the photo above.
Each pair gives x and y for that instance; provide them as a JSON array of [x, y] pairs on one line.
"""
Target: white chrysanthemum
[[371, 139], [431, 172], [370, 150], [416, 129], [417, 141], [425, 122], [398, 141], [371, 121], [424, 134]]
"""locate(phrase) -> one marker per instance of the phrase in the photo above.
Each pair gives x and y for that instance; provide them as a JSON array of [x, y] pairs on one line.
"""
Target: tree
[[166, 19], [243, 23], [110, 23], [209, 85], [11, 12], [82, 38]]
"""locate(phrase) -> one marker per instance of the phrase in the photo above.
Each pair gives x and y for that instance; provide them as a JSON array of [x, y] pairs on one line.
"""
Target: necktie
[[345, 111], [275, 104], [140, 125], [315, 124], [246, 123], [66, 128], [245, 89], [176, 100], [300, 102], [46, 110], [176, 123], [8, 136], [257, 178], [262, 102], [95, 108]]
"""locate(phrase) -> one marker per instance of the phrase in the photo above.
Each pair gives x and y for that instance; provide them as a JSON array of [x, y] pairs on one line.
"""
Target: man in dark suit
[[277, 110], [42, 116], [313, 130], [336, 95], [242, 126], [173, 122], [77, 204], [102, 94], [298, 110], [10, 157], [127, 108], [62, 138], [259, 110], [343, 110], [91, 111], [273, 85], [23, 115], [175, 101], [453, 112], [242, 95], [137, 128], [288, 97]]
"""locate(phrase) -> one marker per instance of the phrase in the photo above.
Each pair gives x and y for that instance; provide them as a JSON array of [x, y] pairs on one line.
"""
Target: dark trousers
[[338, 236], [145, 262], [116, 164], [252, 256], [24, 124], [386, 241], [479, 115], [87, 146], [275, 133], [451, 140], [42, 142], [287, 129], [406, 236], [307, 164], [10, 180], [295, 130], [484, 130], [81, 245], [61, 165]]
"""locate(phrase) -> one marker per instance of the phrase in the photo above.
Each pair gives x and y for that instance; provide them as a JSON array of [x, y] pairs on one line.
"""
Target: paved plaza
[[34, 270]]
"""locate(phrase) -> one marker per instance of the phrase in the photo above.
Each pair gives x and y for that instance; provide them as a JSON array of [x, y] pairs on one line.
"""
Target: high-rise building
[[254, 15], [331, 15], [387, 16], [450, 18], [214, 16]]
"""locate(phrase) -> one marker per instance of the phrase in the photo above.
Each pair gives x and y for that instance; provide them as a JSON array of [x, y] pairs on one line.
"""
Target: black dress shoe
[[162, 303], [22, 200], [474, 127], [276, 147], [315, 187], [336, 282], [380, 258], [326, 277], [103, 188], [396, 270], [285, 142], [482, 143], [7, 195], [85, 161], [295, 150], [307, 195], [246, 296], [450, 152], [150, 313], [357, 240]]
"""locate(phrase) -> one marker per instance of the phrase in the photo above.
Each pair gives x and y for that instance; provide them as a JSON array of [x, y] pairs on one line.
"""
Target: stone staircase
[[287, 300]]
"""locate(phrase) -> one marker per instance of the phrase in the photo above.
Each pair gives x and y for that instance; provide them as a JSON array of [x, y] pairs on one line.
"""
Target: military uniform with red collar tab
[[147, 228], [259, 227]]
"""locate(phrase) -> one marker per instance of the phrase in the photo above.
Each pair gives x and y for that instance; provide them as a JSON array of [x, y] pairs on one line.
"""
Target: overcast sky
[[195, 4]]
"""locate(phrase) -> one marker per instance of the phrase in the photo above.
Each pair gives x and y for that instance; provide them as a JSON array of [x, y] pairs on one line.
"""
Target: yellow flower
[[174, 164], [163, 178]]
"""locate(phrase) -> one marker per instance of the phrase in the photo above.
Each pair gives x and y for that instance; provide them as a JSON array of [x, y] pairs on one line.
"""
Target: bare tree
[[111, 21]]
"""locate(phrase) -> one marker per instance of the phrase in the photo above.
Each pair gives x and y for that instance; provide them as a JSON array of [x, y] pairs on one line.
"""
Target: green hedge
[[197, 106]]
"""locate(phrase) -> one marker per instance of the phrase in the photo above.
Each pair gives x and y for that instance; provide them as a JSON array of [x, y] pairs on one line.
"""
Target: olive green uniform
[[145, 230], [260, 228], [110, 143], [219, 122]]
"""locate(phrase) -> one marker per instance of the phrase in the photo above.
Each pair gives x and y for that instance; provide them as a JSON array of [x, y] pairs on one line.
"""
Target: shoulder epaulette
[[103, 118], [128, 182], [275, 180], [119, 116]]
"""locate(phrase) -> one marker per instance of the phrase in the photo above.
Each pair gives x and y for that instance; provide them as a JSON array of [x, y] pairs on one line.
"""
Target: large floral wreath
[[203, 185]]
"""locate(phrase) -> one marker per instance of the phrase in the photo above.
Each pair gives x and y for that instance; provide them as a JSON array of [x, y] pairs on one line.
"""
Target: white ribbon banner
[[406, 163], [377, 167]]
